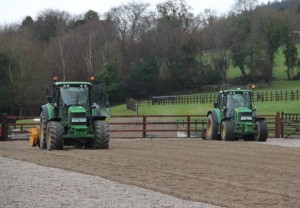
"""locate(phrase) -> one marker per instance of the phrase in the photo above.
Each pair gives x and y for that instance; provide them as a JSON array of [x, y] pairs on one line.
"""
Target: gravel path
[[283, 142], [39, 186]]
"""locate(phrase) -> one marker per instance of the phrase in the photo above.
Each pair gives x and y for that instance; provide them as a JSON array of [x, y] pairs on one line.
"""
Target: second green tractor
[[234, 117]]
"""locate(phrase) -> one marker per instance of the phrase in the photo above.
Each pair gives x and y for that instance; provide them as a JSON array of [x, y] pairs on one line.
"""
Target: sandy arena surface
[[229, 174]]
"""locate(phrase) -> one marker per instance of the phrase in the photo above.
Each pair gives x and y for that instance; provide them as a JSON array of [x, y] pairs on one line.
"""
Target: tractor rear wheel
[[42, 136], [211, 128], [262, 131], [227, 131], [54, 135], [101, 140]]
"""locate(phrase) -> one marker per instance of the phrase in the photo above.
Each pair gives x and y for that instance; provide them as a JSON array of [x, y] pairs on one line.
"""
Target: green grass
[[270, 108], [233, 72], [284, 85], [279, 70], [264, 108]]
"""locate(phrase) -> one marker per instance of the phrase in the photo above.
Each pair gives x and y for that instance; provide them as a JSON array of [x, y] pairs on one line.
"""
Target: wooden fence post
[[282, 129], [271, 96], [189, 126], [144, 127], [277, 125]]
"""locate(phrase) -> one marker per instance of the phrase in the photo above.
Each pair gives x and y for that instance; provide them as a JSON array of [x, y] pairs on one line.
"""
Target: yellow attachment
[[34, 136]]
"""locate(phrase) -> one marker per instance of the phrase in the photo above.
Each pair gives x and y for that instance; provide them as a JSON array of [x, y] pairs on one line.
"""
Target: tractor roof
[[72, 83], [236, 91]]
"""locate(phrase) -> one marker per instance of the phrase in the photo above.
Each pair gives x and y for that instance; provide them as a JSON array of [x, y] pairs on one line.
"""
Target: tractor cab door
[[221, 101], [221, 104], [99, 98]]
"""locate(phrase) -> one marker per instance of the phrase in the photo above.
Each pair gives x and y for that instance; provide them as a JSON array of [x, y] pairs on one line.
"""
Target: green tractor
[[233, 117], [74, 115]]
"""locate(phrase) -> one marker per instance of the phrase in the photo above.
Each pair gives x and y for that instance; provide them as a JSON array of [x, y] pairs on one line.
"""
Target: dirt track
[[231, 174]]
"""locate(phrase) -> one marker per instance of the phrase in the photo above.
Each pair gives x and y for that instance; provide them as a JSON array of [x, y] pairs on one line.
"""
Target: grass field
[[201, 109]]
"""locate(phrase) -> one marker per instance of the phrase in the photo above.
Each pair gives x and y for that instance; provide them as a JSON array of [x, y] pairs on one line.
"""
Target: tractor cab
[[79, 98], [231, 100]]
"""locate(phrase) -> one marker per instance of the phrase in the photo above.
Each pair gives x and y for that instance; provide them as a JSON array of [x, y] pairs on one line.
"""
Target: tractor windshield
[[74, 95], [238, 100]]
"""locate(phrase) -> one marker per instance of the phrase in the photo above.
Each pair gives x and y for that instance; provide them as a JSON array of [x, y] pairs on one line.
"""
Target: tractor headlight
[[246, 118], [78, 120]]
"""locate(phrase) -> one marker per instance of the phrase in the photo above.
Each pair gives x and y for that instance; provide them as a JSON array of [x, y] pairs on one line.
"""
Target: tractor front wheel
[[262, 131], [101, 140], [42, 135], [227, 131], [54, 135], [211, 128]]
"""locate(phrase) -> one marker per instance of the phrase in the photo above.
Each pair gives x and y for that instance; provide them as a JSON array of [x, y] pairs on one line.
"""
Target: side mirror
[[49, 99]]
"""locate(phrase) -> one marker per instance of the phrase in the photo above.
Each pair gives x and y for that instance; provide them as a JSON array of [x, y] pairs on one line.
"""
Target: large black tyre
[[42, 135], [211, 128], [262, 131], [54, 135], [227, 131], [101, 140]]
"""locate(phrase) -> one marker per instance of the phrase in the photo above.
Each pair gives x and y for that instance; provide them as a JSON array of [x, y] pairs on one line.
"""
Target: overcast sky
[[14, 11]]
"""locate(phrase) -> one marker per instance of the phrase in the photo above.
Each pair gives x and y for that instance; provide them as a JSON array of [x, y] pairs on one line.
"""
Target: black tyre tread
[[55, 135], [262, 131], [43, 129], [101, 140], [229, 131], [213, 135]]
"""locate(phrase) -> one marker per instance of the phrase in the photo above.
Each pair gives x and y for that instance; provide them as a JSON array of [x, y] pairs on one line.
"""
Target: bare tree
[[22, 71], [244, 5], [128, 20], [63, 60], [88, 56]]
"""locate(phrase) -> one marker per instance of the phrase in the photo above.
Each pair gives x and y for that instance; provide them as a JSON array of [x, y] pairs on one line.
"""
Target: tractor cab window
[[238, 100], [74, 95]]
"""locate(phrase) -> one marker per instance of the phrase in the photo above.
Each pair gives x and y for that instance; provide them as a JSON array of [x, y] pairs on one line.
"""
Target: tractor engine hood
[[77, 114], [242, 109], [243, 114], [76, 109]]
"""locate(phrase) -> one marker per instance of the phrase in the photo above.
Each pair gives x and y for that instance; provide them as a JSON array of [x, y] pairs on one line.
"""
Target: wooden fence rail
[[267, 96], [161, 126]]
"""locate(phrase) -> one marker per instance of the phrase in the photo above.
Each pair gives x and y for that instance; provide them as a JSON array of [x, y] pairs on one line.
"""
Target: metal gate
[[290, 125]]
